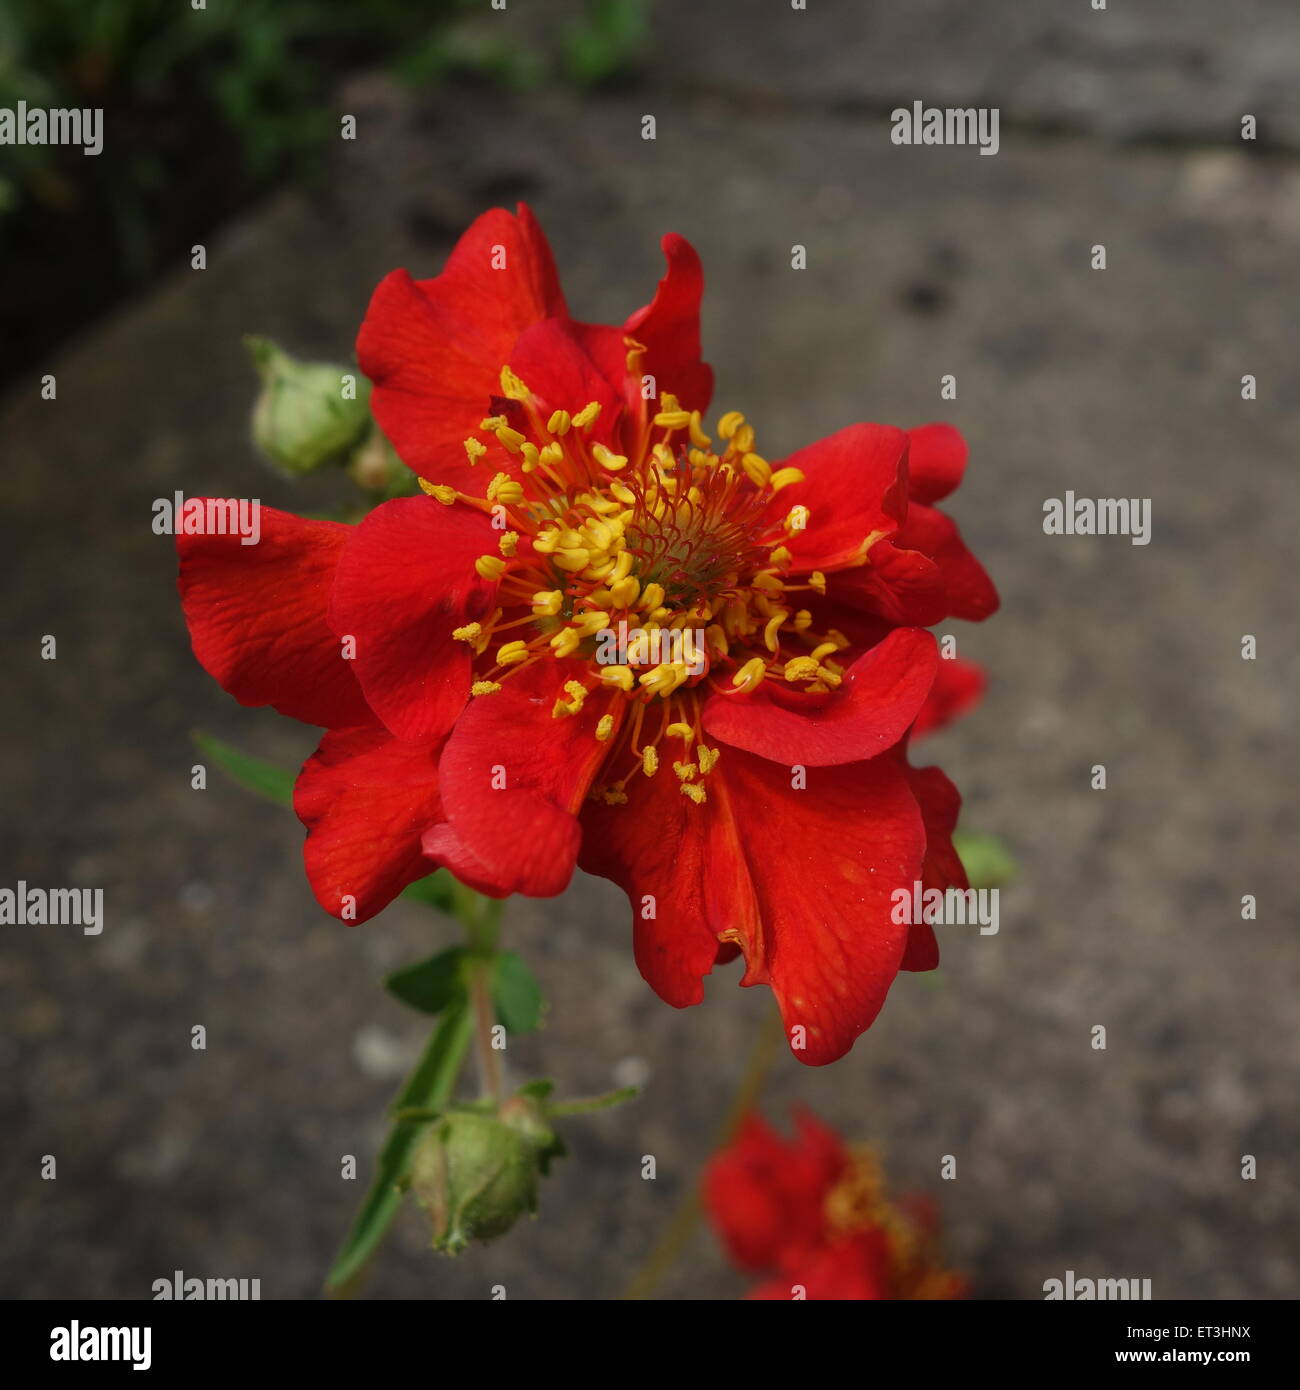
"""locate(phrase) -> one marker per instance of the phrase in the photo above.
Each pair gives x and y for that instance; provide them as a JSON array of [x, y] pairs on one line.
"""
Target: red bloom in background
[[748, 787], [958, 685], [812, 1213]]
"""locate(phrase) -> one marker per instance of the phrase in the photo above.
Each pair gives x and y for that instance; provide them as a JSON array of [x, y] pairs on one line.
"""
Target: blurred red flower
[[813, 1215]]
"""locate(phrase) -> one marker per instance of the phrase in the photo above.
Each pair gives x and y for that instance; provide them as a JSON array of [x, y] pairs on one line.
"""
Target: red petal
[[855, 485], [970, 592], [567, 364], [802, 879], [936, 461], [940, 804], [880, 697], [669, 328], [899, 585], [766, 1195], [957, 687], [405, 581], [257, 618], [853, 1269], [366, 799], [514, 778], [435, 348]]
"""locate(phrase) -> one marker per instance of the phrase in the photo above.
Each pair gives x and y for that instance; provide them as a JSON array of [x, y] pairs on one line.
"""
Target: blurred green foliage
[[265, 66]]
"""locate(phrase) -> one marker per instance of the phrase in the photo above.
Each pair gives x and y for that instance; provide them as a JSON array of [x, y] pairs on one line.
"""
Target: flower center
[[663, 568]]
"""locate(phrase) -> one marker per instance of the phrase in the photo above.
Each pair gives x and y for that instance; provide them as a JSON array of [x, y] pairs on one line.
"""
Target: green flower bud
[[309, 414], [476, 1173]]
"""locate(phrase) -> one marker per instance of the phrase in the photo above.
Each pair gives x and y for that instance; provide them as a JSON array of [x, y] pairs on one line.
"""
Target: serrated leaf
[[430, 985], [435, 891], [516, 994], [267, 780]]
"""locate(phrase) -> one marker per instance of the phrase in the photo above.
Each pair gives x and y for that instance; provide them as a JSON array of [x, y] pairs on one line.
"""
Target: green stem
[[429, 1087]]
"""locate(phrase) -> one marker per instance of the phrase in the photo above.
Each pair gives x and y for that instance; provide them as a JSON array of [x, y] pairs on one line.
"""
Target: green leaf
[[436, 891], [987, 862], [274, 783], [429, 1087], [516, 993], [430, 985]]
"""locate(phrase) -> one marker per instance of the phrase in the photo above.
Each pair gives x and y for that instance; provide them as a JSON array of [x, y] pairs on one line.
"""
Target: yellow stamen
[[490, 566], [750, 674], [471, 632], [484, 688], [475, 448], [605, 727], [783, 477], [649, 761], [512, 653], [696, 793], [445, 495], [547, 603]]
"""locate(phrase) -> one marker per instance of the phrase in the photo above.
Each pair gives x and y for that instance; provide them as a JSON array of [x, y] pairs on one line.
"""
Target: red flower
[[748, 787], [813, 1214], [958, 685]]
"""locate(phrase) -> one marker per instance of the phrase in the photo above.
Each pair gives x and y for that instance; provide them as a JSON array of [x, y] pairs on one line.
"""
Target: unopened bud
[[309, 414]]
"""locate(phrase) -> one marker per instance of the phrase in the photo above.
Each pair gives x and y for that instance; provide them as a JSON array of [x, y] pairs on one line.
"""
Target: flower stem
[[481, 918], [682, 1227]]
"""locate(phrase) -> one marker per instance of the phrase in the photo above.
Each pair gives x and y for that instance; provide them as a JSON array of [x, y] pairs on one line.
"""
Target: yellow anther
[[591, 623], [511, 653], [545, 542], [485, 687], [608, 460], [698, 437], [547, 603], [750, 674], [508, 543], [716, 639], [664, 679], [730, 423], [766, 582], [512, 439], [673, 419], [576, 691], [685, 771], [623, 592], [492, 422], [802, 620], [772, 627], [757, 470], [801, 668], [833, 679], [817, 581], [471, 632], [613, 796], [783, 477], [623, 493], [511, 387], [563, 710], [503, 488], [743, 439], [680, 731], [490, 566], [553, 453], [445, 495], [531, 456], [573, 560], [649, 761], [833, 634], [599, 535], [699, 458], [560, 423], [708, 759], [475, 448], [621, 676], [588, 415], [605, 727], [622, 566], [652, 596], [780, 556], [696, 792], [824, 650], [566, 642]]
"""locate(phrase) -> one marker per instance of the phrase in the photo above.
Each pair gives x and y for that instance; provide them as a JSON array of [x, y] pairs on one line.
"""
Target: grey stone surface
[[1126, 912]]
